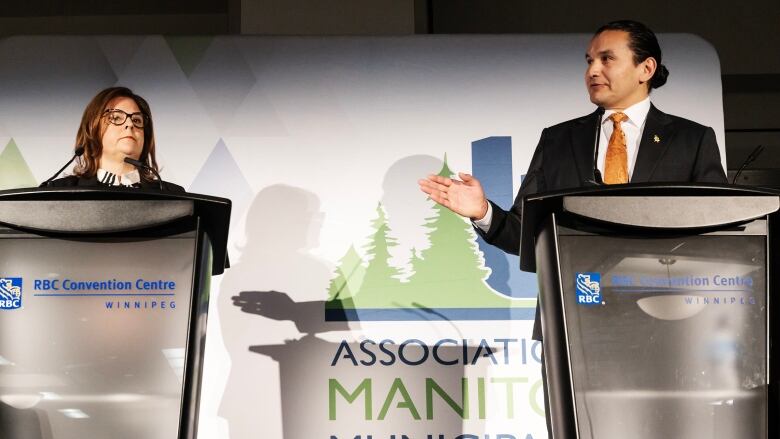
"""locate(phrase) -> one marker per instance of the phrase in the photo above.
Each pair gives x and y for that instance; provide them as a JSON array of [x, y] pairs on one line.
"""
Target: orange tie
[[616, 162]]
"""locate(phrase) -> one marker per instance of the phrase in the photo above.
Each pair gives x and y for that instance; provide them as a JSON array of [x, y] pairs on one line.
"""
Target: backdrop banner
[[355, 307]]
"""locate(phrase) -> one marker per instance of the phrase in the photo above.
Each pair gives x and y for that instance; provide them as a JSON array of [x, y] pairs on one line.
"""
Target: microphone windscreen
[[134, 162]]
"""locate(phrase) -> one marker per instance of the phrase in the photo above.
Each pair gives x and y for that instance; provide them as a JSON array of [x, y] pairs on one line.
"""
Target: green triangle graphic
[[445, 169], [14, 172], [188, 51]]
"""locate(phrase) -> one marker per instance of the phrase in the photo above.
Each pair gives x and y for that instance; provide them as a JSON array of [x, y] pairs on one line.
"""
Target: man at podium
[[643, 144], [116, 124]]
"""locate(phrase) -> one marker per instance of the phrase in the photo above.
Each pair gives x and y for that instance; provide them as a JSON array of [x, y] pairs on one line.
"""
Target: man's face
[[613, 80]]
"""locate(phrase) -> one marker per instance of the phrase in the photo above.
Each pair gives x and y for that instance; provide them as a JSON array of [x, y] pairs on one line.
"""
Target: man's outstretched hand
[[464, 197]]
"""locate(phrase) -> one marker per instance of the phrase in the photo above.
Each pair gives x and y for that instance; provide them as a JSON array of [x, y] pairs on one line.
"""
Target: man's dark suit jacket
[[685, 152], [74, 181]]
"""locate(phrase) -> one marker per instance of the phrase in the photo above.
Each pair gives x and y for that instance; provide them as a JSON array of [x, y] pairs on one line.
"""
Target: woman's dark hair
[[641, 41], [93, 125]]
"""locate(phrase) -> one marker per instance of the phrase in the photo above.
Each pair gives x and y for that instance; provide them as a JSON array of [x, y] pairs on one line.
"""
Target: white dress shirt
[[632, 128]]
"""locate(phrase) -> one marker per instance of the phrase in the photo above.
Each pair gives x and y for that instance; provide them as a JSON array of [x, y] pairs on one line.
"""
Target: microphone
[[78, 152], [750, 158], [141, 165], [596, 173]]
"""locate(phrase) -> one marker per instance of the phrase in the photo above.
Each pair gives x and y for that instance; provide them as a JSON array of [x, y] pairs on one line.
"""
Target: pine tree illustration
[[380, 283], [349, 278], [414, 260], [450, 272]]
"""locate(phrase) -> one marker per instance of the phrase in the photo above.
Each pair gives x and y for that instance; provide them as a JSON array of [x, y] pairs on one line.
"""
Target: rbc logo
[[10, 292], [588, 287]]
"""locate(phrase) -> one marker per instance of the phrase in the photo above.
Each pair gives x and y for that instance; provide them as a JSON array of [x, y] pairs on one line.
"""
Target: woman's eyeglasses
[[118, 117]]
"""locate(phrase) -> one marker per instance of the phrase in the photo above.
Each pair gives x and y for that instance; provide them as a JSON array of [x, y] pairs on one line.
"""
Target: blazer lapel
[[653, 145], [583, 140]]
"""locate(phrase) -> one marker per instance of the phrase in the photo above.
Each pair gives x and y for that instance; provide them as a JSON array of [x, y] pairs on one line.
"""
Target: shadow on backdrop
[[282, 226], [407, 206], [280, 288]]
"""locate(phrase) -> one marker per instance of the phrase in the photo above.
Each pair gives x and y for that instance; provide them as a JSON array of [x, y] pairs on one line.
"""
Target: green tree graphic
[[349, 278], [450, 273], [414, 260], [380, 283]]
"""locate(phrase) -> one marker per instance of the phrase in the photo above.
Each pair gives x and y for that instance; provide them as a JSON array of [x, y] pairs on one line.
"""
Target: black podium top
[[82, 212], [648, 207]]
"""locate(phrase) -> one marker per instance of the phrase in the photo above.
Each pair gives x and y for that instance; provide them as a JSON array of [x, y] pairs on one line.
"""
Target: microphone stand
[[751, 157], [596, 173], [78, 152], [139, 164]]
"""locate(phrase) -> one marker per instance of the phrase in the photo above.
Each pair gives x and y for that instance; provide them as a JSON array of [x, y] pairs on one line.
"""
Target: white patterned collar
[[130, 179]]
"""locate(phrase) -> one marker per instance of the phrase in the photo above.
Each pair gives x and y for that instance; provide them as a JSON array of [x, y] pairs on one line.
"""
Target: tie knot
[[618, 117]]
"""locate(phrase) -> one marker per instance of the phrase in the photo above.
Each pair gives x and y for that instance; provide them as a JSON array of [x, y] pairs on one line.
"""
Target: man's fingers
[[468, 179], [461, 195], [439, 197], [434, 190], [439, 179], [439, 189], [427, 186]]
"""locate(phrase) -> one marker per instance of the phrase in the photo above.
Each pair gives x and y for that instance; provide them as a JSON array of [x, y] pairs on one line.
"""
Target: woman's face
[[124, 140]]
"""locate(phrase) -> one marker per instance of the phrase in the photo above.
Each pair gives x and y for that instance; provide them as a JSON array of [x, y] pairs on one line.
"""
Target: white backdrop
[[307, 136]]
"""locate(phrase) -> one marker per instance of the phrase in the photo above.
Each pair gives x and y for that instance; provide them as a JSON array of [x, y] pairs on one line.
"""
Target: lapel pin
[[656, 139]]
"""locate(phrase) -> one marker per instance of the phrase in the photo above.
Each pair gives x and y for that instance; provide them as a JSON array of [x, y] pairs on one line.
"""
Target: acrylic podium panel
[[104, 298], [655, 306], [676, 347], [100, 360]]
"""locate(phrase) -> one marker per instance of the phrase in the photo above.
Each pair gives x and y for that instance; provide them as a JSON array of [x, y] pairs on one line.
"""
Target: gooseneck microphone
[[596, 173], [78, 152], [750, 158], [141, 165]]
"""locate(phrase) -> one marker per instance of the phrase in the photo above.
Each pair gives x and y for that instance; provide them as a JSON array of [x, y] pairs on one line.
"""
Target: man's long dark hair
[[644, 44]]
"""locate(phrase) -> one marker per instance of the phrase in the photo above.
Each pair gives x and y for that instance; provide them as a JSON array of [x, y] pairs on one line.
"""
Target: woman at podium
[[115, 145]]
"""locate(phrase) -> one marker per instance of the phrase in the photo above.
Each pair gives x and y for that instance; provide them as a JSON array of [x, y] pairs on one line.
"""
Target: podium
[[103, 304], [656, 306]]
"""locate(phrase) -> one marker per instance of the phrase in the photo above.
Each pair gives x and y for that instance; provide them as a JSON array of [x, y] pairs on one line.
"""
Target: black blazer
[[75, 181], [672, 149]]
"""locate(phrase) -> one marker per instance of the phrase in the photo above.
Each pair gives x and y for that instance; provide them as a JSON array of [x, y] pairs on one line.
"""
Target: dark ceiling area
[[49, 8]]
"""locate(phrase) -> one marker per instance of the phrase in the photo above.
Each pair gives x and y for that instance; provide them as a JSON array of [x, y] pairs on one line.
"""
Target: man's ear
[[648, 67]]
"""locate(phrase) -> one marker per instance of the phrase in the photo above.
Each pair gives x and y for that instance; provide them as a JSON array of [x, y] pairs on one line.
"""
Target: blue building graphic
[[491, 163]]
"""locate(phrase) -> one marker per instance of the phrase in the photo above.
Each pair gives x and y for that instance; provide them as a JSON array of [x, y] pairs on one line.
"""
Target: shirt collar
[[636, 113], [110, 179]]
